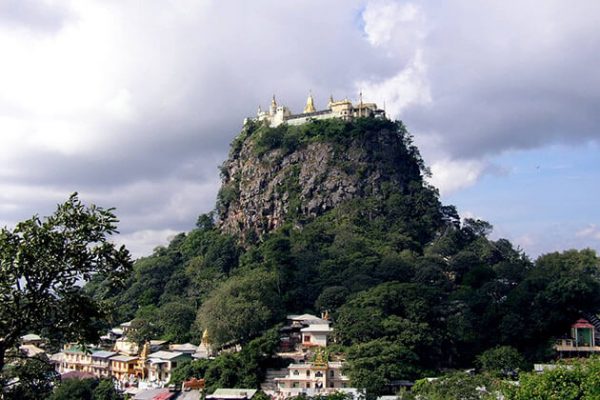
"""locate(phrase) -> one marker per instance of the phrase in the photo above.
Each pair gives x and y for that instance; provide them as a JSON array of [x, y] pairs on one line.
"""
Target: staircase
[[269, 383]]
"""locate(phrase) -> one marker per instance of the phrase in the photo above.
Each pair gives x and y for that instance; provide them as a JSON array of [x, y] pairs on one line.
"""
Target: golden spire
[[310, 105], [145, 351], [320, 360], [205, 338], [273, 102], [326, 315]]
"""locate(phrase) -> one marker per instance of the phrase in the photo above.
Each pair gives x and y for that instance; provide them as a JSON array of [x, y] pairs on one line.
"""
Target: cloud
[[140, 242], [452, 175], [34, 15], [134, 107], [592, 231]]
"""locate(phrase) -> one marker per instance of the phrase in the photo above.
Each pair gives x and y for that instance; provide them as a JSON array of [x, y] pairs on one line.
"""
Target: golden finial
[[325, 315], [320, 360], [310, 105], [273, 102], [205, 338], [145, 351]]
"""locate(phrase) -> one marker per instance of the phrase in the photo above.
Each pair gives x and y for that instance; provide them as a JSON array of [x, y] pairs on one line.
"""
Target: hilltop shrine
[[344, 109]]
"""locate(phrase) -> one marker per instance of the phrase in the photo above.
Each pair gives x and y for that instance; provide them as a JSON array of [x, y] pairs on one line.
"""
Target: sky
[[133, 104]]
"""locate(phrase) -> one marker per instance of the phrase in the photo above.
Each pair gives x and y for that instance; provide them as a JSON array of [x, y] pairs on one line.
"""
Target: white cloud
[[591, 231], [134, 106], [142, 242], [452, 175]]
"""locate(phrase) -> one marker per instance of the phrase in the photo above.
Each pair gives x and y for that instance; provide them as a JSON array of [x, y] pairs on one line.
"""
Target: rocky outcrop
[[260, 193]]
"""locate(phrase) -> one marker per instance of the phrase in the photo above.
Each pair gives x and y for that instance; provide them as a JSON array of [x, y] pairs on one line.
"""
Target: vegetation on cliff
[[337, 216]]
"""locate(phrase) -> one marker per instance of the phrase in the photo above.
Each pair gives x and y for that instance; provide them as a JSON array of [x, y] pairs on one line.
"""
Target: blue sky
[[133, 104], [543, 200]]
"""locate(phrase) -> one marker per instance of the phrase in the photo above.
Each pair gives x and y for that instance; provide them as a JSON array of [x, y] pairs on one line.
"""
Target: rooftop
[[103, 354], [317, 328], [183, 347], [122, 358], [165, 355], [232, 394], [30, 337]]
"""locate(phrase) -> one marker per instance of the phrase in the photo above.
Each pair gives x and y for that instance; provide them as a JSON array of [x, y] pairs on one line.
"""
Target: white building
[[343, 109], [162, 363], [316, 335]]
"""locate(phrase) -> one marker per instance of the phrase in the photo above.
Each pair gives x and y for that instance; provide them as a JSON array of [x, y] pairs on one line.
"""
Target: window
[[319, 374], [307, 372], [296, 372], [308, 385], [331, 373], [307, 338]]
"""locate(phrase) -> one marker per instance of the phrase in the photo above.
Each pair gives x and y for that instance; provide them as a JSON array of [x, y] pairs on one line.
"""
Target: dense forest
[[412, 289]]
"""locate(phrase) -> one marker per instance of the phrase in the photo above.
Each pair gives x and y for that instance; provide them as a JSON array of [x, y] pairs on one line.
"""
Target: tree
[[43, 265], [106, 391], [241, 308], [458, 386], [75, 389], [375, 364], [501, 361], [29, 378]]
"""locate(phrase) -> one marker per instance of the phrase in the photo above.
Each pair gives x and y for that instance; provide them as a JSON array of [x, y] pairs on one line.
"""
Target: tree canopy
[[44, 263]]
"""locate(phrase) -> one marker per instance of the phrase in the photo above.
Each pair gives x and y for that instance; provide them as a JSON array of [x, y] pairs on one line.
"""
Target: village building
[[126, 346], [32, 339], [343, 109], [76, 358], [186, 348], [122, 367], [31, 350], [316, 335], [101, 363], [305, 331], [162, 363], [312, 378], [232, 394], [582, 340]]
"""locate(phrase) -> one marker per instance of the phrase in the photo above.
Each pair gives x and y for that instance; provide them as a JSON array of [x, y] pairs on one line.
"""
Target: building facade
[[343, 109]]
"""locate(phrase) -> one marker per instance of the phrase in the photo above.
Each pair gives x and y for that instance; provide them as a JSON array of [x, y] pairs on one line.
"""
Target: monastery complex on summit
[[344, 109]]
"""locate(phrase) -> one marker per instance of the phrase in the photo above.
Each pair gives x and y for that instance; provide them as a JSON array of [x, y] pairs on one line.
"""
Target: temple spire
[[310, 104]]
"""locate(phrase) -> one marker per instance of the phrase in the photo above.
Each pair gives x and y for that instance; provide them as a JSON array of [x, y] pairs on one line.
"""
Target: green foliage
[[457, 386], [241, 308], [501, 361], [75, 389], [375, 364], [85, 389], [106, 391], [35, 375], [42, 264], [331, 396], [410, 288], [229, 370], [143, 330]]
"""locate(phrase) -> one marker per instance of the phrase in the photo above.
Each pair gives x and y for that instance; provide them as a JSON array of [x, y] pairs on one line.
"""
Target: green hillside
[[411, 288]]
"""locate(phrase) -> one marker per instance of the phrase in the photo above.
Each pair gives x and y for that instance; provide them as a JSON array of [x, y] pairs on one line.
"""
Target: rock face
[[261, 192]]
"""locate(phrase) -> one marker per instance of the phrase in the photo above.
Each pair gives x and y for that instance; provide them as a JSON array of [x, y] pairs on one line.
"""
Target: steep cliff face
[[293, 174]]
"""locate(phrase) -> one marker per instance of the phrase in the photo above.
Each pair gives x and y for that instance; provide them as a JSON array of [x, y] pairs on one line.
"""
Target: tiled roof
[[122, 358], [165, 355], [103, 354]]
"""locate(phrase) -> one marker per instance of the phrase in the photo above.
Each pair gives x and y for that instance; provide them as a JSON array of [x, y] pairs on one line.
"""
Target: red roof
[[582, 323]]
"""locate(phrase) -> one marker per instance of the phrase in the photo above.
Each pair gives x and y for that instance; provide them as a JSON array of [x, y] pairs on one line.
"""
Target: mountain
[[296, 173], [336, 215]]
